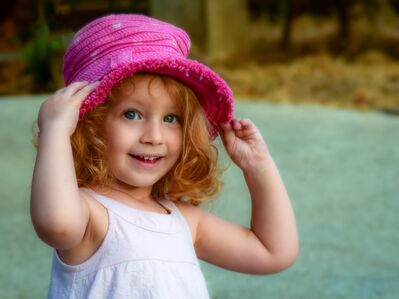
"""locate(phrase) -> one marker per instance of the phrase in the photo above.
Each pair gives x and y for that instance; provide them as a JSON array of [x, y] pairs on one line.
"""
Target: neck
[[137, 193]]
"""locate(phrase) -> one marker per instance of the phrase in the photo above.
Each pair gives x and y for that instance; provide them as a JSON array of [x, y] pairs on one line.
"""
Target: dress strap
[[176, 211], [102, 199], [164, 223]]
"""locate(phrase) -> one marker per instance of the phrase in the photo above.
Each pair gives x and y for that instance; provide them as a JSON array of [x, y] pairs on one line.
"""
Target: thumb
[[227, 134]]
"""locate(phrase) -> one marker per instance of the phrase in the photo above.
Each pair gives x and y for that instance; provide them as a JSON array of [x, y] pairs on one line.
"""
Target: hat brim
[[213, 92]]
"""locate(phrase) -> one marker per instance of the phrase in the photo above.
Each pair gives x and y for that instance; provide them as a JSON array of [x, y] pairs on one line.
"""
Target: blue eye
[[170, 118], [132, 115]]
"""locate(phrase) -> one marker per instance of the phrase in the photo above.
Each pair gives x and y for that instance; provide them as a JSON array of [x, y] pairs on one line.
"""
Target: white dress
[[144, 255]]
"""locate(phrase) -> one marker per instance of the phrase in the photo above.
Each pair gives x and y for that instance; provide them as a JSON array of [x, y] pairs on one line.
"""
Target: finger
[[246, 123], [74, 87], [227, 134], [85, 91], [59, 91], [248, 129], [236, 124]]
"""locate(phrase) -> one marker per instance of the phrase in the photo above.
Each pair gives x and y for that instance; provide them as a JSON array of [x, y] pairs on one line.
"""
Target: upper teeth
[[149, 158]]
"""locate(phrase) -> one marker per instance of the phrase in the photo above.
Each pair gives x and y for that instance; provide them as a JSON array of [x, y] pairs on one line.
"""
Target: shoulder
[[96, 210], [98, 219], [96, 230], [192, 215]]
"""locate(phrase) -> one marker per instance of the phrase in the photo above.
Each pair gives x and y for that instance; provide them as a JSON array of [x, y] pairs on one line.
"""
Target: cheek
[[110, 144], [114, 137], [178, 142], [115, 148]]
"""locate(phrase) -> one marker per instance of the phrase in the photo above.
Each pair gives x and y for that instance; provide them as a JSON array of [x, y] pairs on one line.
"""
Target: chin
[[140, 182]]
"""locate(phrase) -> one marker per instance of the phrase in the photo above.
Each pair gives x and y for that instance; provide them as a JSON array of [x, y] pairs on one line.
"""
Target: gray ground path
[[341, 169]]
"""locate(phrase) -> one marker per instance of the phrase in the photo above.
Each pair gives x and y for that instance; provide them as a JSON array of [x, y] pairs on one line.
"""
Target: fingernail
[[225, 126]]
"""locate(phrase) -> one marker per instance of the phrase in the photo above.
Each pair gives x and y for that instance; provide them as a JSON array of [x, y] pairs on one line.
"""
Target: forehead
[[144, 90]]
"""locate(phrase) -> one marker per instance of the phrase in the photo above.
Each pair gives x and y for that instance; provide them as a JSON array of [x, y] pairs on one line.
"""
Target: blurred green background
[[319, 78], [341, 171]]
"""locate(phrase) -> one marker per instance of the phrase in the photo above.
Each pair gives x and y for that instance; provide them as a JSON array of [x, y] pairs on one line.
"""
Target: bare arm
[[270, 244], [58, 213], [273, 220]]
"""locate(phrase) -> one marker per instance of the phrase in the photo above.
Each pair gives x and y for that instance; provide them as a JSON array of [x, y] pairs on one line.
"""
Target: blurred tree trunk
[[227, 28], [188, 15], [41, 13], [218, 28]]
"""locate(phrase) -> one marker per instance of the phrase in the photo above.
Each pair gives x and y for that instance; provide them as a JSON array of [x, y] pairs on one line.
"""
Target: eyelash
[[175, 118], [137, 114], [131, 111]]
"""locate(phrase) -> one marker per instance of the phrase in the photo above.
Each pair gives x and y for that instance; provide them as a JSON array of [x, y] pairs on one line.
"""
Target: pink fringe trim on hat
[[190, 72]]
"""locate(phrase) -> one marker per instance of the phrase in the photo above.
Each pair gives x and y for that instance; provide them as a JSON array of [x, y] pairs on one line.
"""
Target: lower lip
[[147, 164]]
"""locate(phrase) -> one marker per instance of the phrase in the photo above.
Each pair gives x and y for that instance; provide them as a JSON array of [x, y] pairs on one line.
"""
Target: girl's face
[[143, 133]]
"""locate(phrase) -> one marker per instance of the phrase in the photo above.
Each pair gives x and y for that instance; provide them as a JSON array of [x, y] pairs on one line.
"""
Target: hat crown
[[114, 40], [115, 47]]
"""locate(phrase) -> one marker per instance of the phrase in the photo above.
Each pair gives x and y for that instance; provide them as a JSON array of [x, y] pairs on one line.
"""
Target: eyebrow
[[141, 104]]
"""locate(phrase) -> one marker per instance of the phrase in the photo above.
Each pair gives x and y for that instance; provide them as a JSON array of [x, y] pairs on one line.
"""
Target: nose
[[152, 133]]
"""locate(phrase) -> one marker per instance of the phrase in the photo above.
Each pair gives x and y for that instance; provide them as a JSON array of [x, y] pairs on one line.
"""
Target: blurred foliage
[[318, 64], [38, 55], [275, 10]]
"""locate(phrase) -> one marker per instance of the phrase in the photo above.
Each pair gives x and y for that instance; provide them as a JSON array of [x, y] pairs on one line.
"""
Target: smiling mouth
[[146, 159]]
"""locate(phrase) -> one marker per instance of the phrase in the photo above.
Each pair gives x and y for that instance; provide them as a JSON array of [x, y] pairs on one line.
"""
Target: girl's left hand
[[244, 144]]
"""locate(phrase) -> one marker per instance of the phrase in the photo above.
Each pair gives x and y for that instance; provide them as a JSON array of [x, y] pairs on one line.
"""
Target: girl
[[124, 159]]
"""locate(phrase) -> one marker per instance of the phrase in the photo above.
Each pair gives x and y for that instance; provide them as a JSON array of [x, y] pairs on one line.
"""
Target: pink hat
[[115, 47]]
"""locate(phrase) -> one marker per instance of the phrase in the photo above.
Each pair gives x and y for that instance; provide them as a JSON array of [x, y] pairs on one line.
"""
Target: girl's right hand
[[61, 110]]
